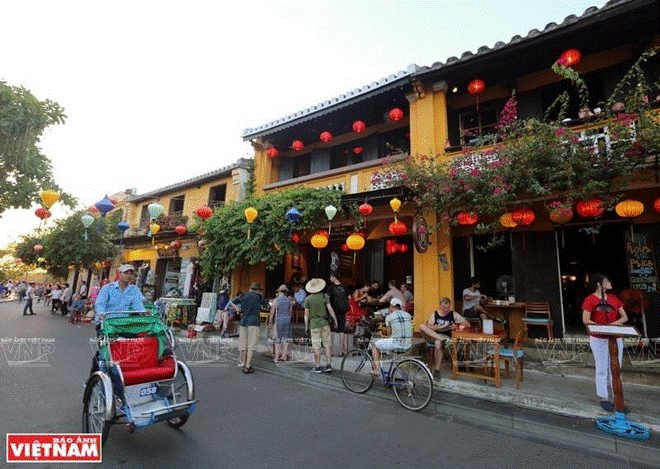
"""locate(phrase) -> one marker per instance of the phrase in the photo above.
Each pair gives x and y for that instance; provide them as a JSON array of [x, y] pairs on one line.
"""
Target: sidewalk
[[562, 390]]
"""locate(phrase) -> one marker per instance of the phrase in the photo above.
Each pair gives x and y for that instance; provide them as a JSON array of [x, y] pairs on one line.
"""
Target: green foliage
[[541, 160], [227, 245], [24, 170], [10, 270], [65, 244]]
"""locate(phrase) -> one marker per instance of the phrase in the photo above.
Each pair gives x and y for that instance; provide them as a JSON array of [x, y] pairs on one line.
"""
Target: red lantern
[[41, 212], [295, 237], [357, 150], [404, 248], [48, 214], [297, 145], [476, 86], [590, 208], [204, 212], [38, 248], [181, 230], [365, 209], [395, 114], [325, 136], [175, 244], [570, 57], [398, 228], [523, 216], [359, 126], [94, 211], [656, 205], [345, 248], [467, 218], [272, 152]]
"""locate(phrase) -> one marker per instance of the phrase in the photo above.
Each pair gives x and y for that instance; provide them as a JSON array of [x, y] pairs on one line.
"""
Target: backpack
[[339, 299]]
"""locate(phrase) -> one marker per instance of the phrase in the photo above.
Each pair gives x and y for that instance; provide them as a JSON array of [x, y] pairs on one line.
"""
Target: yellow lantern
[[396, 205], [250, 215], [155, 228], [49, 197], [506, 220], [319, 241], [629, 208], [355, 242], [561, 215]]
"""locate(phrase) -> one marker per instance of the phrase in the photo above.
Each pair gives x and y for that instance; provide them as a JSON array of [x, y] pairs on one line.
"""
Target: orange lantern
[[561, 215], [629, 208], [250, 215], [467, 218], [398, 228], [506, 220], [320, 241], [523, 216], [355, 242], [590, 208]]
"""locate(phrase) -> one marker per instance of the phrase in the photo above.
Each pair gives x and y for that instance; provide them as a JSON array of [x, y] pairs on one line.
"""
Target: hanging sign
[[421, 235], [641, 262]]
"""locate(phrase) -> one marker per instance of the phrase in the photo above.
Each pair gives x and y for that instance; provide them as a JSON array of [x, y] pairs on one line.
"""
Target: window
[[176, 205], [217, 195], [477, 123], [144, 216], [302, 166]]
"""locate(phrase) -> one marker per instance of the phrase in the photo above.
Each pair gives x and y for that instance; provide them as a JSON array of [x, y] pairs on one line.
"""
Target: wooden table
[[469, 339], [512, 312]]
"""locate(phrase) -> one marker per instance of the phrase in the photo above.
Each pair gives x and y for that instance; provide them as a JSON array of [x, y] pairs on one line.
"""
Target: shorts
[[321, 337], [341, 322], [471, 313], [391, 345], [247, 338]]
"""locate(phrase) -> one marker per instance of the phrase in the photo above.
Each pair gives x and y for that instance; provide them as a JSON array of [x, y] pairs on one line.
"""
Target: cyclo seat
[[138, 360]]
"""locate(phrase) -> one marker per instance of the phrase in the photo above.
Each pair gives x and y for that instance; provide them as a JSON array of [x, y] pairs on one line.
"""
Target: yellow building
[[167, 260], [345, 143]]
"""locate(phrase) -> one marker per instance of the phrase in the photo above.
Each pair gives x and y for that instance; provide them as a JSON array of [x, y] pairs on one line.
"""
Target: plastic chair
[[538, 314]]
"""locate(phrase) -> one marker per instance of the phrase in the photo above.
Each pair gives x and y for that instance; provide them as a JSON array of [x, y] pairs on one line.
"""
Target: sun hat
[[255, 286], [396, 302], [315, 285], [125, 267]]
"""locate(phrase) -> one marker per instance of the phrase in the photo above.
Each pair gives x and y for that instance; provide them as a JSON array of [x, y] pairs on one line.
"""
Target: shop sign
[[421, 235], [641, 262]]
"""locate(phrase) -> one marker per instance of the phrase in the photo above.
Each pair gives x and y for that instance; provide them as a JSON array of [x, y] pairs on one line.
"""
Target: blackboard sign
[[641, 262]]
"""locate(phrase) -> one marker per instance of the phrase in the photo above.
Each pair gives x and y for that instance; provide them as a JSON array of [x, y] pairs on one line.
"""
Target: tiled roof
[[483, 50], [225, 170], [414, 70], [384, 82]]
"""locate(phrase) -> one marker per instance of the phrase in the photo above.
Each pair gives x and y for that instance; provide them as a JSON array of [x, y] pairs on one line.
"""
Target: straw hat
[[315, 285]]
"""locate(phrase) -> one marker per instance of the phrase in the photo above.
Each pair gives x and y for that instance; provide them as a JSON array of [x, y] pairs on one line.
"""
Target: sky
[[156, 92]]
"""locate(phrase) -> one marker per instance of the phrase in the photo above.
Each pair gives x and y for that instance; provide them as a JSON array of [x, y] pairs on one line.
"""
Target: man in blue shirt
[[121, 295]]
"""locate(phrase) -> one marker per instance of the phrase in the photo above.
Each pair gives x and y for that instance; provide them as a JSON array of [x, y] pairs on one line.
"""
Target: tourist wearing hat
[[248, 330], [121, 295], [280, 316], [399, 330], [317, 306]]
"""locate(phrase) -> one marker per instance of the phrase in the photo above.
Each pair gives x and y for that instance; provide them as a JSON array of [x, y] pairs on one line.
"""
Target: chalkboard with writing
[[641, 262]]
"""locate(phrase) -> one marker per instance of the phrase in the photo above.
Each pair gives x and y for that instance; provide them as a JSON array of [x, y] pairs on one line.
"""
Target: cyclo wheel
[[412, 384], [356, 367], [180, 393], [94, 408]]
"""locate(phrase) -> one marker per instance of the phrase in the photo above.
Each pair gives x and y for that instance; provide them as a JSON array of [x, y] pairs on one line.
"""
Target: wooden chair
[[538, 314], [513, 356]]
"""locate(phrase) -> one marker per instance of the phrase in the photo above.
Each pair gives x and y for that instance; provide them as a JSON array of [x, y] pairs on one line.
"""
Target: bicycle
[[409, 378]]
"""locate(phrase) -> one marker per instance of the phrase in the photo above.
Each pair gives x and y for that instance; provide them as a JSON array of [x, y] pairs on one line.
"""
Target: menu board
[[641, 262]]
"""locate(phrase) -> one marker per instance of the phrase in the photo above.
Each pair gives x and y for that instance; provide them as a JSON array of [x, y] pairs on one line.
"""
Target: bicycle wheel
[[356, 369], [412, 384]]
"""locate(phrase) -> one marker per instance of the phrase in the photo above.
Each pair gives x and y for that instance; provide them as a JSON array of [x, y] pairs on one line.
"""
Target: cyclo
[[139, 381]]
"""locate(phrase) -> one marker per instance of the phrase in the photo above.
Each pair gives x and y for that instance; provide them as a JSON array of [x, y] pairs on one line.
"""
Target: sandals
[[248, 369]]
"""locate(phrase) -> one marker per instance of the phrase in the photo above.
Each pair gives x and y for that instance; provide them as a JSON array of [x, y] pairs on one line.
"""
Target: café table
[[512, 312], [470, 340]]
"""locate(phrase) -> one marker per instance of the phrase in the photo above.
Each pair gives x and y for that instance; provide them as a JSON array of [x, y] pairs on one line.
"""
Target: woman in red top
[[356, 311], [603, 308]]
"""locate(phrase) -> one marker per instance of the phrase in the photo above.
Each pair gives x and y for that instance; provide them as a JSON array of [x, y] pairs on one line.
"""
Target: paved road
[[247, 421]]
